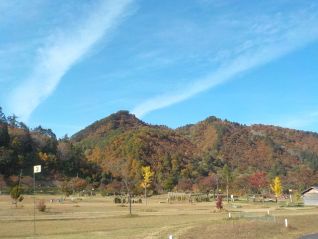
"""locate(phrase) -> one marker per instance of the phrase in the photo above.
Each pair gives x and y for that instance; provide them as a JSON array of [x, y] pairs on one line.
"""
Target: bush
[[41, 205], [104, 193], [113, 188], [66, 188], [117, 200], [16, 194]]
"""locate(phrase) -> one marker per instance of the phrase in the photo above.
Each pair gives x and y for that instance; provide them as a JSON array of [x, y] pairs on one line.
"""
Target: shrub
[[66, 188], [41, 205], [16, 194], [117, 200], [113, 188], [104, 193]]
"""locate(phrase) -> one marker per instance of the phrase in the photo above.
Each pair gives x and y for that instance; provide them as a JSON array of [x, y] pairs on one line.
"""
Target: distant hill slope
[[258, 146], [122, 135], [183, 157], [195, 150]]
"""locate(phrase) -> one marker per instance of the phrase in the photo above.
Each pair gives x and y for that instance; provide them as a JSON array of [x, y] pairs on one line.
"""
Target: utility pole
[[34, 230]]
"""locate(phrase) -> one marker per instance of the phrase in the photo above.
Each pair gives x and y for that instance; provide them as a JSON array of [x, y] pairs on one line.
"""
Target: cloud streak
[[63, 49], [272, 43], [301, 121]]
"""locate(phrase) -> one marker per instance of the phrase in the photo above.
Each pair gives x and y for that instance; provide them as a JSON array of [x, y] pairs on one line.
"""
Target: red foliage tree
[[219, 202], [258, 181], [208, 183], [184, 184]]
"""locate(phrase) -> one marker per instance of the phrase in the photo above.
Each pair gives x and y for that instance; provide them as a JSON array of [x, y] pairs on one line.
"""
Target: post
[[34, 229], [230, 216], [170, 237], [290, 195], [36, 169], [286, 222], [227, 188]]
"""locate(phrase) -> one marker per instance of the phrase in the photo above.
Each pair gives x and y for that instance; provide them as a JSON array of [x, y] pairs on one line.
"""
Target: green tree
[[16, 194], [4, 135], [3, 118], [13, 120]]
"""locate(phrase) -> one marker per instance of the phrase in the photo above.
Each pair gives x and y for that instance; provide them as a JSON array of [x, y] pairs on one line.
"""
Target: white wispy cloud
[[302, 121], [269, 41], [63, 49]]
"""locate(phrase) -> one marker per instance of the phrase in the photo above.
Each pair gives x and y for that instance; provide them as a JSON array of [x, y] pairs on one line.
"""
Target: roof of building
[[307, 190]]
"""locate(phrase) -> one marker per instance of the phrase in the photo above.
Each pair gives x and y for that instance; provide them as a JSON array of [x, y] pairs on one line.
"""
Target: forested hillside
[[193, 157], [21, 148]]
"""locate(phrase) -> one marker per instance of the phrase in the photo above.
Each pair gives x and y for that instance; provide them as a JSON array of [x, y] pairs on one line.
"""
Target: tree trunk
[[146, 195], [227, 193], [227, 189], [129, 198], [129, 195]]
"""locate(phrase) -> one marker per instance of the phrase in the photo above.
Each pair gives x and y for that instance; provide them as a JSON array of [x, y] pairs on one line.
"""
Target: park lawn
[[298, 225], [98, 217]]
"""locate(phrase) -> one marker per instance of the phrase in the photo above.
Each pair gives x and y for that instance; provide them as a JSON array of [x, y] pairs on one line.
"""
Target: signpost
[[36, 169], [290, 195], [286, 222]]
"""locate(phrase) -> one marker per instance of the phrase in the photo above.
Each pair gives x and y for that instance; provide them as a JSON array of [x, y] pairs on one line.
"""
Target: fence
[[252, 216], [190, 197]]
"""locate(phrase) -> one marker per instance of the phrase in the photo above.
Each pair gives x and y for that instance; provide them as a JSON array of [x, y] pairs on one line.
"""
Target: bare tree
[[126, 169]]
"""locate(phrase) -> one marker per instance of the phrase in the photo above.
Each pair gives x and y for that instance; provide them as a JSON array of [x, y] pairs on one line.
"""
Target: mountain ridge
[[179, 157], [202, 147]]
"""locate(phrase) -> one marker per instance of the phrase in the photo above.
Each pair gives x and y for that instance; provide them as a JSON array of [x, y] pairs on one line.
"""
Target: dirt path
[[312, 236]]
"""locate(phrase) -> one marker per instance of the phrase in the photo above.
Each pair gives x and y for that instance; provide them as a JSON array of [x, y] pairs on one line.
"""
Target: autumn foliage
[[112, 151], [219, 202], [258, 181], [276, 187]]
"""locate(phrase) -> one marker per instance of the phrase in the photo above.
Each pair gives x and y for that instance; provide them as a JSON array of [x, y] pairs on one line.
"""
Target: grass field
[[98, 217]]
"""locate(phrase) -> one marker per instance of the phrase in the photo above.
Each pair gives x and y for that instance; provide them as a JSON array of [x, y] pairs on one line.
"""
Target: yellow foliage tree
[[277, 187], [43, 156], [147, 175]]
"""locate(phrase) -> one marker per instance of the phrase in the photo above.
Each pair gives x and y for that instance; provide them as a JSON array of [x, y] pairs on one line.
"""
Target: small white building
[[310, 196]]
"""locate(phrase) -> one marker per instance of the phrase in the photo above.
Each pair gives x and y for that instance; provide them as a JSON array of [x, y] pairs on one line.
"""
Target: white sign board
[[37, 169]]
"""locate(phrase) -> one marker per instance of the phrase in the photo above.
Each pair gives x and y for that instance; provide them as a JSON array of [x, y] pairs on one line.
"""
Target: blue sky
[[65, 64]]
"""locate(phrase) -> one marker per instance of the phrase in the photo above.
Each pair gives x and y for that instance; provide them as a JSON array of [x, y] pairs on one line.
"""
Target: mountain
[[122, 135], [118, 122], [257, 146], [196, 150], [190, 155]]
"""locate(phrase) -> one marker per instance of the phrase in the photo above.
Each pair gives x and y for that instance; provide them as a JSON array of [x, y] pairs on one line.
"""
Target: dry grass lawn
[[98, 217]]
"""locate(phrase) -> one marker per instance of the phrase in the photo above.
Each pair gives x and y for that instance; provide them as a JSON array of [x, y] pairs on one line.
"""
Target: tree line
[[115, 163]]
